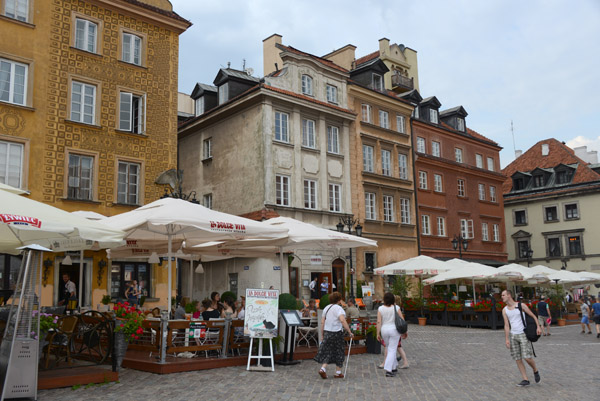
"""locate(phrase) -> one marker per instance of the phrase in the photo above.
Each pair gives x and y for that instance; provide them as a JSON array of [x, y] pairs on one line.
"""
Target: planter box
[[438, 317], [373, 346]]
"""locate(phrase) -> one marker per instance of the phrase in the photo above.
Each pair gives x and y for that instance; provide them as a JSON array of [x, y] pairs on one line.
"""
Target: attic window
[[433, 116], [460, 124], [564, 177], [545, 149], [223, 93], [377, 82], [538, 181], [518, 184]]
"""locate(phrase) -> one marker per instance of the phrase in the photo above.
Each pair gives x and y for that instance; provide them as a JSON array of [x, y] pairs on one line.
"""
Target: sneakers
[[322, 373], [523, 383], [389, 374], [536, 375]]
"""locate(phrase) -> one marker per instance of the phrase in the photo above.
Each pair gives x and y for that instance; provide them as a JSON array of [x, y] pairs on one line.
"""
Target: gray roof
[[454, 110], [229, 72]]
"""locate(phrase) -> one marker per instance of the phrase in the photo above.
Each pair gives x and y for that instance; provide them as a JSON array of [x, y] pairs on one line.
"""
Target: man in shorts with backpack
[[516, 339]]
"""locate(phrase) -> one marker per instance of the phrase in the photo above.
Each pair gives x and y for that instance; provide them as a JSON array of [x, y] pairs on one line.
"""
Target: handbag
[[401, 325]]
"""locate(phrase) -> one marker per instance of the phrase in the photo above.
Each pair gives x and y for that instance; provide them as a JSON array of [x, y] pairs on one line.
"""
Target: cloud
[[591, 143]]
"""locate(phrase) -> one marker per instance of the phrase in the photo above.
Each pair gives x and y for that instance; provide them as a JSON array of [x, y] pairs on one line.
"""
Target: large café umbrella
[[172, 219], [416, 266], [463, 270]]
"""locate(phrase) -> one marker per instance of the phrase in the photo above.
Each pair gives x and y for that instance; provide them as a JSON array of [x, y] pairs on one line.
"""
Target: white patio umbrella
[[418, 265], [175, 219], [463, 271], [564, 276], [528, 275], [13, 190]]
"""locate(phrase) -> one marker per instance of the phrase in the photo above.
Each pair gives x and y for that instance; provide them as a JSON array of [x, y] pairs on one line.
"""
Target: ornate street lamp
[[529, 253], [350, 222], [464, 244]]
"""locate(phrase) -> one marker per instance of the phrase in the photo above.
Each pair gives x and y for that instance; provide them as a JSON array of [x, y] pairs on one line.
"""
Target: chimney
[[583, 154], [545, 149], [271, 54], [518, 153], [384, 47], [344, 56]]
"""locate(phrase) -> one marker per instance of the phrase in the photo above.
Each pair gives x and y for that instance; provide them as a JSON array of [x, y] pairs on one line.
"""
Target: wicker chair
[[61, 337]]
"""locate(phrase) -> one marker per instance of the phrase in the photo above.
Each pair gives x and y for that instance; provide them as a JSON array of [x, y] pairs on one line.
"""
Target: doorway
[[337, 270], [320, 278], [73, 271]]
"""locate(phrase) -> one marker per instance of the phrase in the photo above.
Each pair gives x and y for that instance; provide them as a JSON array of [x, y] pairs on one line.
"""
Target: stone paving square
[[446, 363]]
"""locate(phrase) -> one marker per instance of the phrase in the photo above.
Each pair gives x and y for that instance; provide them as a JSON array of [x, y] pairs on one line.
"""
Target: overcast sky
[[534, 62]]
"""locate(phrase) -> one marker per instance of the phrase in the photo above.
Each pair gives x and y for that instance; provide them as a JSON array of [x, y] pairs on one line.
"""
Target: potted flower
[[47, 322], [410, 304], [105, 301], [437, 305], [500, 305], [454, 306], [483, 306], [128, 326]]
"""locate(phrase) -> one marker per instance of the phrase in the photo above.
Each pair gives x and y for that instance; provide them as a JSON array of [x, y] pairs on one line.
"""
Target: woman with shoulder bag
[[387, 332], [332, 347]]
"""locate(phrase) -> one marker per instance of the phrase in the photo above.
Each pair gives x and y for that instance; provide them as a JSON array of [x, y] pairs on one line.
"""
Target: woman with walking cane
[[331, 349], [387, 332]]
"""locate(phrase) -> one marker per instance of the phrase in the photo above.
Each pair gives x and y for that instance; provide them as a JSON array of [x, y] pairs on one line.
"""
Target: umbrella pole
[[80, 278], [281, 269], [474, 296], [169, 252]]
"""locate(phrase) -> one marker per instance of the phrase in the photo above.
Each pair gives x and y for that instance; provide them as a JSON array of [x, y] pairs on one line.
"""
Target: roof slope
[[318, 59]]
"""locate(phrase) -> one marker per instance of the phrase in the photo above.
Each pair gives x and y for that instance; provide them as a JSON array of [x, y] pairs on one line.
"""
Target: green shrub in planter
[[105, 299], [191, 307], [288, 301], [142, 300], [324, 301], [228, 295]]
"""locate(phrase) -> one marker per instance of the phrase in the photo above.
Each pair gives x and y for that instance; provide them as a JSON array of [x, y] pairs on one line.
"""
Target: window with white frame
[[433, 116], [132, 112], [405, 210], [496, 231], [331, 94], [441, 226], [461, 188], [368, 164], [466, 228], [478, 160], [366, 113], [11, 163], [17, 9], [86, 33], [400, 124], [308, 133], [425, 228], [571, 211], [307, 85], [199, 103], [384, 120], [490, 163], [132, 49], [422, 180], [370, 206], [437, 183], [13, 82], [403, 166], [386, 162], [207, 149], [207, 201], [83, 102], [310, 194], [481, 191], [333, 139], [128, 183], [335, 196], [550, 213], [436, 149], [282, 126], [492, 194], [415, 112], [388, 208], [80, 177], [223, 93], [421, 145], [282, 190], [458, 155], [377, 82], [484, 232], [460, 124]]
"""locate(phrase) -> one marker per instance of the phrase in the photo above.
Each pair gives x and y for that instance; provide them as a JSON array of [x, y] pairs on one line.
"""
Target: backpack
[[530, 326]]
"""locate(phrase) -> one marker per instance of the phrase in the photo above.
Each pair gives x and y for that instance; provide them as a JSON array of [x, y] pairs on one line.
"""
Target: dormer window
[[460, 124], [199, 105], [433, 116], [415, 112], [307, 85], [538, 181], [223, 92], [518, 184], [564, 177], [378, 82]]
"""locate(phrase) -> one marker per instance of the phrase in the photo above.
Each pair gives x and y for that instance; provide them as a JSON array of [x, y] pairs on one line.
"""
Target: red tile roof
[[304, 97], [171, 14], [366, 58], [317, 58], [479, 136]]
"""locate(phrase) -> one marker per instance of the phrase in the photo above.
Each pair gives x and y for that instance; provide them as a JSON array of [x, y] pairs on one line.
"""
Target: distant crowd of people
[[213, 308]]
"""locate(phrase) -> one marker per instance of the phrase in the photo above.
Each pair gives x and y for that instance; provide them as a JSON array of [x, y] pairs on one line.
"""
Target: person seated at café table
[[310, 310], [210, 312], [180, 311], [199, 309], [352, 310], [240, 310], [228, 307]]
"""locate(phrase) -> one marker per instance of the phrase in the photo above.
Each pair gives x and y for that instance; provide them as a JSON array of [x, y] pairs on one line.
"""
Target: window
[[207, 201], [425, 228], [85, 35], [538, 181], [331, 94], [207, 149], [310, 194], [564, 177], [478, 160], [388, 208], [282, 190], [571, 211], [405, 210], [400, 124], [435, 149], [460, 124], [481, 191], [366, 113], [16, 9], [518, 184], [308, 133], [132, 113], [370, 206], [333, 139], [574, 244], [9, 271], [370, 261], [403, 166], [281, 126], [415, 112], [492, 194], [83, 103], [132, 49], [80, 177], [307, 85], [335, 197], [384, 121], [422, 180], [496, 230], [11, 163], [368, 158], [461, 188], [128, 186], [484, 232], [122, 273], [458, 155], [377, 82], [386, 162], [437, 183], [223, 93], [520, 217], [433, 116], [421, 145], [199, 105], [466, 228], [490, 163], [523, 249], [550, 213], [554, 248], [13, 82], [441, 226]]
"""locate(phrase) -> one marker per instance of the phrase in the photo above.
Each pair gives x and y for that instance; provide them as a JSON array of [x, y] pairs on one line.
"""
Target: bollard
[[164, 331], [226, 330]]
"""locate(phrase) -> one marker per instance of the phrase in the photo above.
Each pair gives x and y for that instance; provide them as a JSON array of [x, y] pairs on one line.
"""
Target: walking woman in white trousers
[[387, 333]]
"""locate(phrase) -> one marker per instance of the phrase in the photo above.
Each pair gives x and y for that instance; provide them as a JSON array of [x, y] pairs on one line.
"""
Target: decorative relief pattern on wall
[[11, 121]]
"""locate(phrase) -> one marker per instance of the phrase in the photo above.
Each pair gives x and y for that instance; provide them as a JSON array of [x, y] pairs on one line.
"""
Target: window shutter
[[125, 111]]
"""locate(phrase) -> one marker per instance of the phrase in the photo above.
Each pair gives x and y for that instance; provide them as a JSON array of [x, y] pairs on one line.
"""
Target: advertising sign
[[262, 313]]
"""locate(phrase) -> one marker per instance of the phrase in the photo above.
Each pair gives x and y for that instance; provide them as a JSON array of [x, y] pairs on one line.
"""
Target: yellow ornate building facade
[[88, 120]]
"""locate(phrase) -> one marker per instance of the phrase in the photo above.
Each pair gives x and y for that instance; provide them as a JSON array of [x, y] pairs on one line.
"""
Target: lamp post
[[460, 243], [350, 222], [529, 254]]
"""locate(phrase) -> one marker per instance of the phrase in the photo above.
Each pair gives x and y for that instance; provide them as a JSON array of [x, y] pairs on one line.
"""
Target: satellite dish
[[249, 71]]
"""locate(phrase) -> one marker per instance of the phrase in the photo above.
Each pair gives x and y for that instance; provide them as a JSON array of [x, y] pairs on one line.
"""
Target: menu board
[[262, 313]]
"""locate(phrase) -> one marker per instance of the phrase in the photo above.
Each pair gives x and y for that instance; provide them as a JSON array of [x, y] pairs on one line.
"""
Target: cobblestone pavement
[[445, 364]]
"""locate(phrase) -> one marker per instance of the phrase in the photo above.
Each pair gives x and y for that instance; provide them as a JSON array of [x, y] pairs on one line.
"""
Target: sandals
[[380, 366]]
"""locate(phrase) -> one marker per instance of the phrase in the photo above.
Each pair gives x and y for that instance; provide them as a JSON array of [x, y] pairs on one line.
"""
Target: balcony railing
[[402, 82]]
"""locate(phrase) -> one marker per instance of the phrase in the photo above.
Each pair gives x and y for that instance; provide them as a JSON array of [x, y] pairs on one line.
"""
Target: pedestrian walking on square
[[516, 340], [313, 288], [387, 332], [585, 316], [400, 351], [324, 286], [596, 310], [333, 324], [544, 315]]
